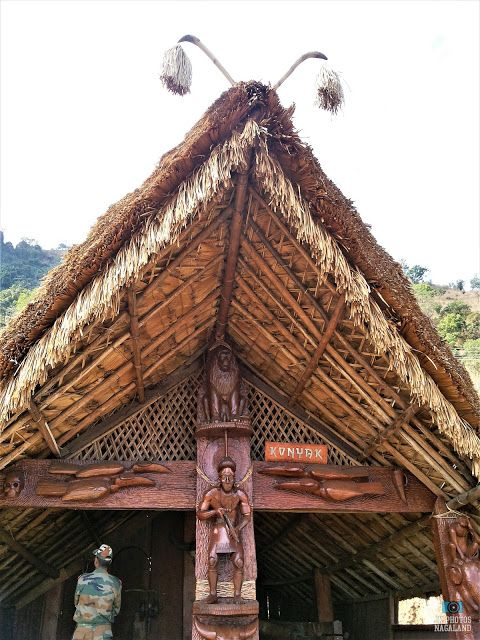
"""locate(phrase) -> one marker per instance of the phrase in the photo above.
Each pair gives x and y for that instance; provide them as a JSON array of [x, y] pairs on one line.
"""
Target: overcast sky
[[84, 118]]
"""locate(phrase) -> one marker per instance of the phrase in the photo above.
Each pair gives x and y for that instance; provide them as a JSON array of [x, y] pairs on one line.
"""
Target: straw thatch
[[159, 226]]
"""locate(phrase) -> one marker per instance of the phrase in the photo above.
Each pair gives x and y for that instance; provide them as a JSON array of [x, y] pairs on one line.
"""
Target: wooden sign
[[291, 452]]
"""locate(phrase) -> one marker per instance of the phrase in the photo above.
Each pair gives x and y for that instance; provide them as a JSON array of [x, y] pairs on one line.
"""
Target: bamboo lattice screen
[[165, 429]]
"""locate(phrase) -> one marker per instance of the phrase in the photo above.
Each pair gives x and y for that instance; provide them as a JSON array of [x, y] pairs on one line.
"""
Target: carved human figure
[[225, 632], [464, 568], [13, 484], [229, 507], [223, 398]]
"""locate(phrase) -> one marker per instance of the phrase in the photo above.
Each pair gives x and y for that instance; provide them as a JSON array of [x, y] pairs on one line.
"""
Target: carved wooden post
[[225, 545], [456, 548]]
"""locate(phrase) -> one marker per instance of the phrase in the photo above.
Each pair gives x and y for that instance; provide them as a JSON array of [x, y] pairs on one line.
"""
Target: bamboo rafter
[[136, 348], [390, 430], [43, 427]]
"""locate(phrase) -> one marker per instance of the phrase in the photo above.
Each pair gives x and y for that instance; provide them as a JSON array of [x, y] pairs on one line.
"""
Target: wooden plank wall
[[363, 620]]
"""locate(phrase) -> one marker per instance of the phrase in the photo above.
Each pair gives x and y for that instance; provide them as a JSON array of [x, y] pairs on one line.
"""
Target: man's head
[[226, 473], [103, 556]]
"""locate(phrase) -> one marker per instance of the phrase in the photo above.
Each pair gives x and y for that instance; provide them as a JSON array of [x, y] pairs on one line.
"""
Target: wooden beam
[[42, 426], [465, 498], [298, 413], [295, 521], [232, 255], [135, 334], [384, 499], [172, 491], [322, 345], [372, 550], [371, 395], [90, 528], [390, 430], [152, 395], [323, 595], [72, 568], [23, 552], [358, 357]]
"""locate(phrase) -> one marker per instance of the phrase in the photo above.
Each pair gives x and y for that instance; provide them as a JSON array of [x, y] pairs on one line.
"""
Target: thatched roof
[[385, 388]]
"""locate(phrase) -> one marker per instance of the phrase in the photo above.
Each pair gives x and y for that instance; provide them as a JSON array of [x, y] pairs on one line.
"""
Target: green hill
[[21, 269]]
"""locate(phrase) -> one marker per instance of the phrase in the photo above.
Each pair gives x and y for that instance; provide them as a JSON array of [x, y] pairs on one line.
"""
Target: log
[[233, 249], [26, 554]]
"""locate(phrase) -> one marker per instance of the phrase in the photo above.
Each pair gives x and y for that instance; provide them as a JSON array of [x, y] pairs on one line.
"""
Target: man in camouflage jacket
[[97, 599]]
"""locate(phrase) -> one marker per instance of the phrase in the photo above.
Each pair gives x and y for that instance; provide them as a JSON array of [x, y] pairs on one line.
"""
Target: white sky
[[84, 118]]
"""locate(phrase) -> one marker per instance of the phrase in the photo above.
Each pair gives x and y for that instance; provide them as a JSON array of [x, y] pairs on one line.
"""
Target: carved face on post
[[13, 484], [227, 479]]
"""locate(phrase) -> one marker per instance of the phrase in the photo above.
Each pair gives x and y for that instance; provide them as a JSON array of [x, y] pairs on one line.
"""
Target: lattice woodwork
[[165, 429], [271, 422], [162, 431]]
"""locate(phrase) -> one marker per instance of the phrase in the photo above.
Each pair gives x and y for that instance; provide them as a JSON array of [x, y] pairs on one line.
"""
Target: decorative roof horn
[[176, 74]]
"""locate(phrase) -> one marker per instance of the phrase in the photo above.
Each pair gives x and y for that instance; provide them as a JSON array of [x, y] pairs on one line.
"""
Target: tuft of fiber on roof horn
[[176, 73]]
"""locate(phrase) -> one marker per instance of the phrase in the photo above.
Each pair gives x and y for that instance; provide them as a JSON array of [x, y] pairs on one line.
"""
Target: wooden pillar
[[51, 612], [323, 595], [458, 570], [188, 576], [217, 438]]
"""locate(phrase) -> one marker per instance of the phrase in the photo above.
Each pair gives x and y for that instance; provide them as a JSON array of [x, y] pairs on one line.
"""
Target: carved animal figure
[[464, 570], [224, 632], [13, 484], [223, 400]]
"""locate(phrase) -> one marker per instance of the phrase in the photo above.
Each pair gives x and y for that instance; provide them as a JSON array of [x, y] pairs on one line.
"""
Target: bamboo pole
[[136, 348], [465, 498], [42, 425], [322, 345], [389, 430]]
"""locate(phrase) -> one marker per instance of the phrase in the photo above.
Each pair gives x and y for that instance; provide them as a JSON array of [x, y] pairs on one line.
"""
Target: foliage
[[21, 269], [416, 273], [451, 327], [458, 284], [475, 282], [460, 308], [25, 264], [12, 300]]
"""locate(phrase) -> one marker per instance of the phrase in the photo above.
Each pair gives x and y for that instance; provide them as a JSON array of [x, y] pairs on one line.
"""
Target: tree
[[462, 308], [415, 274], [475, 282], [458, 284], [451, 327]]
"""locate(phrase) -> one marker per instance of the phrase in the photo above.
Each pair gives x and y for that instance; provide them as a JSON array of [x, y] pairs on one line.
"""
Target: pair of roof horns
[[177, 74]]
